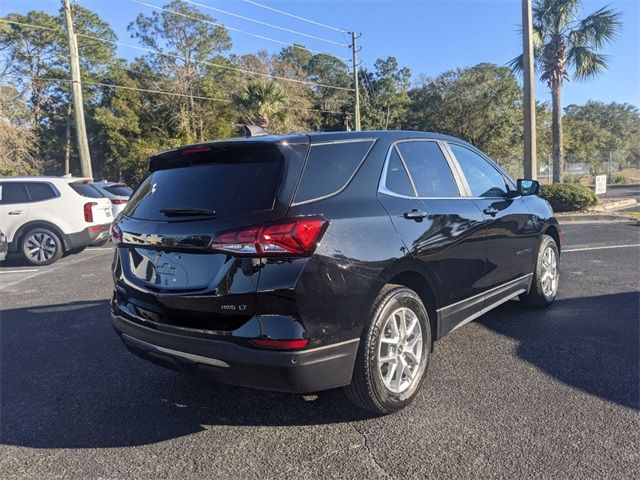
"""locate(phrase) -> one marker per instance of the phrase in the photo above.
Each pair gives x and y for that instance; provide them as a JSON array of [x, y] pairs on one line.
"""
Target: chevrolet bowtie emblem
[[153, 239]]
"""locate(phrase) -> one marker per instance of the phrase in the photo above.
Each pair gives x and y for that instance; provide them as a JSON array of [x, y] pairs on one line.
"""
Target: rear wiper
[[187, 212]]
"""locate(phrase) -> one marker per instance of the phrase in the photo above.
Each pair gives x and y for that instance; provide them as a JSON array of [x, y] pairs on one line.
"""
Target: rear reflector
[[118, 202], [296, 236], [88, 211], [280, 344], [97, 228]]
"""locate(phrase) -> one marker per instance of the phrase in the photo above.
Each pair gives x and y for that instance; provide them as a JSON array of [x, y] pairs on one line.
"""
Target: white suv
[[44, 217]]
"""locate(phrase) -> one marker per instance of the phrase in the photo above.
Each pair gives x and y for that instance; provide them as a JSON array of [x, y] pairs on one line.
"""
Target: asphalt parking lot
[[519, 394]]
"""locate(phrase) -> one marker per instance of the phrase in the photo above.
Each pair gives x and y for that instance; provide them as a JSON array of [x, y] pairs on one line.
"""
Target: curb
[[594, 217], [616, 205]]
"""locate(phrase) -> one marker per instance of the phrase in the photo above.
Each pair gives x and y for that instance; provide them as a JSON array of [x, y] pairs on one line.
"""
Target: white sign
[[601, 184]]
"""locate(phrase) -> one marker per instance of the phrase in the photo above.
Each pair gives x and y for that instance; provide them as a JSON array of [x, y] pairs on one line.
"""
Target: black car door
[[441, 229], [511, 231]]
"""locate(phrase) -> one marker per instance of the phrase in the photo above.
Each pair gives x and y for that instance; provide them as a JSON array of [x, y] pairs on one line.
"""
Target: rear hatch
[[97, 207], [165, 264]]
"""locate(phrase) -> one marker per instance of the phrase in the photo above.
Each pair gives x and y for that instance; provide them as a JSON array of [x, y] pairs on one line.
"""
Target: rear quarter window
[[85, 190], [329, 168]]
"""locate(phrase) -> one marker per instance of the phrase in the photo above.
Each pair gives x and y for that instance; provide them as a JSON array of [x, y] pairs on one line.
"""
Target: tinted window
[[40, 191], [483, 179], [230, 180], [397, 179], [120, 190], [86, 190], [329, 167], [429, 169], [13, 192]]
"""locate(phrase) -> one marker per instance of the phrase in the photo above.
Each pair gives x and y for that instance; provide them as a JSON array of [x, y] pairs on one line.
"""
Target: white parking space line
[[606, 247], [26, 270]]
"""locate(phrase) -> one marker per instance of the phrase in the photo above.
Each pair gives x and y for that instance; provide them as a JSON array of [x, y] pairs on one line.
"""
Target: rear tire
[[546, 276], [40, 246], [393, 354]]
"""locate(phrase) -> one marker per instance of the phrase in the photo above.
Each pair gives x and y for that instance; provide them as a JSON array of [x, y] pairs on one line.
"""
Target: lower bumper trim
[[174, 353]]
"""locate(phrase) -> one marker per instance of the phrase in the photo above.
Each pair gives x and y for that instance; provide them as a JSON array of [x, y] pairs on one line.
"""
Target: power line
[[265, 23], [215, 65], [30, 25], [162, 92], [261, 37], [295, 16]]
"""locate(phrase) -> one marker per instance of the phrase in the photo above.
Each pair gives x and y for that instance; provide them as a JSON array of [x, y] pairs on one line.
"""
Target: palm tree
[[563, 41], [263, 102]]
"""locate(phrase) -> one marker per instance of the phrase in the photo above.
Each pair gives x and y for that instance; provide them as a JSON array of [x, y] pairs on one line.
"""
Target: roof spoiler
[[254, 131]]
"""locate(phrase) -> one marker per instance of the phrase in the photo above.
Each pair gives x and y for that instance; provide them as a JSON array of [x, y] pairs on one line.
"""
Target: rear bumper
[[87, 236], [303, 371]]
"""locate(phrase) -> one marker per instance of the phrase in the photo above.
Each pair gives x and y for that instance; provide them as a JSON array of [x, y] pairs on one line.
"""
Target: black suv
[[307, 262]]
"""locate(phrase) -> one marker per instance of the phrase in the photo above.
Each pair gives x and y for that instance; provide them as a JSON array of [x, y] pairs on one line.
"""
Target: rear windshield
[[86, 190], [229, 180], [119, 190]]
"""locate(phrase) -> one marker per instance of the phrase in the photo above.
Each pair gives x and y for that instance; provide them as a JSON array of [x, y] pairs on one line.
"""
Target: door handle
[[15, 212], [490, 211], [415, 214]]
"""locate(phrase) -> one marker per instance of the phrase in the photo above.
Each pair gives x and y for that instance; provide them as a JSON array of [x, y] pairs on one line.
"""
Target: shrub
[[565, 197], [619, 179]]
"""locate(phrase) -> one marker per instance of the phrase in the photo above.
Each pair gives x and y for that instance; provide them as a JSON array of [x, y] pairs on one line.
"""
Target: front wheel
[[393, 354], [546, 276]]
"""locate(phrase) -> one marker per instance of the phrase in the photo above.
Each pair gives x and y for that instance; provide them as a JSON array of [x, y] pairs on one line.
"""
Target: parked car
[[45, 217], [302, 263], [118, 193], [4, 246]]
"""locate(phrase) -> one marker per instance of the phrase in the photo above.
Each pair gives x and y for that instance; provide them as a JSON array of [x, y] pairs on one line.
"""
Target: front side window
[[428, 169], [13, 192], [483, 179]]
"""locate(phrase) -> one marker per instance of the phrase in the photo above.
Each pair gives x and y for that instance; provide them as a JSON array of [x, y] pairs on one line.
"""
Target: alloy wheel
[[400, 350], [549, 278], [40, 247]]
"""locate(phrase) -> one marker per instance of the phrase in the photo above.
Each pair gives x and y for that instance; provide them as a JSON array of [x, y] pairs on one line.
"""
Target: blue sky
[[428, 36]]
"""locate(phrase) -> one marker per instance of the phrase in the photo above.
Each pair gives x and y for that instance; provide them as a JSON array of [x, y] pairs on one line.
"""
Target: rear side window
[[119, 190], [397, 179], [13, 192], [329, 168], [229, 179], [40, 191], [86, 190], [428, 169]]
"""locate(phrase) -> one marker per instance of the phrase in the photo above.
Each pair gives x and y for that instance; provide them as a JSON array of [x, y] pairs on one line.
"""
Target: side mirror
[[528, 187]]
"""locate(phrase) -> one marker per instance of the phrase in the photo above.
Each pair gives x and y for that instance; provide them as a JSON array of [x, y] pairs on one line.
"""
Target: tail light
[[291, 237], [280, 344], [116, 233], [118, 201], [88, 211]]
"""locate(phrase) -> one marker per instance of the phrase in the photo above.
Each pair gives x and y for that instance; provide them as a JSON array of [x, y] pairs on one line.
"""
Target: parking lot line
[[607, 247], [26, 270]]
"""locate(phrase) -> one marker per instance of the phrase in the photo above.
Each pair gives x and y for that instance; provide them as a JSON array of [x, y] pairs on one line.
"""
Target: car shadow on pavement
[[66, 381], [590, 343]]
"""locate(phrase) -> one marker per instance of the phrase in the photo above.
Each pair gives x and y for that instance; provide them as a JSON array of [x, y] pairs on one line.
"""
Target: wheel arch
[[553, 232], [17, 238]]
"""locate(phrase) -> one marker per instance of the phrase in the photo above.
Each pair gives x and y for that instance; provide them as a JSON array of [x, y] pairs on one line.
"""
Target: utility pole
[[355, 82], [530, 161], [76, 90]]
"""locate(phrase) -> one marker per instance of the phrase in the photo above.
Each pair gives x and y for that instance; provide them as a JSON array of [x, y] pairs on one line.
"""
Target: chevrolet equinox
[[307, 262]]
